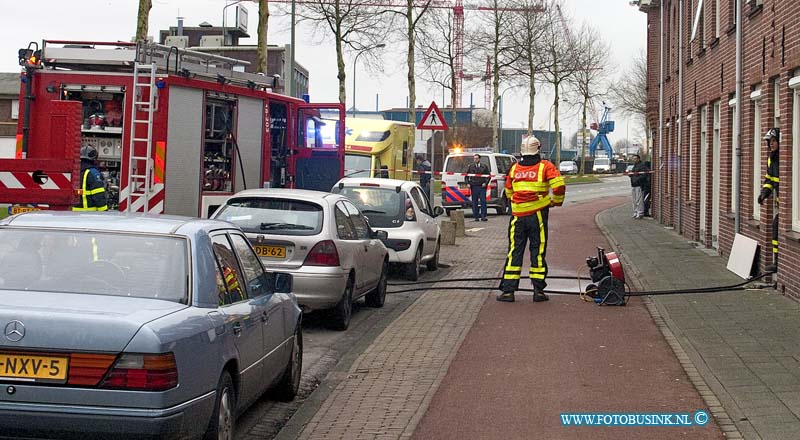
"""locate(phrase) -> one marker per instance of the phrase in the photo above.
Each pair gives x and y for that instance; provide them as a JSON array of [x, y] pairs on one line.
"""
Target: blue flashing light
[[160, 84], [306, 98]]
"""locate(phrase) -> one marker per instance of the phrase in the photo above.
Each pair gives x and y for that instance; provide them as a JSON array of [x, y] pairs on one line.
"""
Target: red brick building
[[694, 186]]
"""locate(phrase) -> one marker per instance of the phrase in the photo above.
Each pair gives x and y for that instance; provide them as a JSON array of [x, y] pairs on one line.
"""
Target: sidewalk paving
[[744, 345], [734, 354]]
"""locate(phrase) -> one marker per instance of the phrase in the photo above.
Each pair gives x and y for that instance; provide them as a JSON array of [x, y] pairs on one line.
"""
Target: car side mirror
[[380, 235], [283, 282], [437, 211]]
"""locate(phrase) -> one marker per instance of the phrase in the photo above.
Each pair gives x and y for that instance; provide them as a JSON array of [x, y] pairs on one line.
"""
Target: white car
[[400, 208], [602, 165], [568, 167], [321, 239], [456, 191]]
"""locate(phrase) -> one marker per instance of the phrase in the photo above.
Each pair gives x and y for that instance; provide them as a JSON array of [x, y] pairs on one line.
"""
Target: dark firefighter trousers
[[531, 229], [775, 236]]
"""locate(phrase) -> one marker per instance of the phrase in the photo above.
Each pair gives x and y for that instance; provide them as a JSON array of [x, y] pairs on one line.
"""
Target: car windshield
[[601, 161], [382, 206], [260, 215], [94, 263], [459, 164], [357, 166]]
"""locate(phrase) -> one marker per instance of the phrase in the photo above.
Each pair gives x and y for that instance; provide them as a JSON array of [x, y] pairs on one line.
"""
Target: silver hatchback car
[[322, 239], [120, 326]]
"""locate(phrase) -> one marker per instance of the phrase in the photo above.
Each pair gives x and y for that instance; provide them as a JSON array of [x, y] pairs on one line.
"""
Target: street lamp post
[[500, 116], [224, 28], [355, 67]]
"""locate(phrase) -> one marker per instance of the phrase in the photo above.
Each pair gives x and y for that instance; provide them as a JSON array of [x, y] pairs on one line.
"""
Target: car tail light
[[323, 253], [88, 369], [492, 190], [149, 372]]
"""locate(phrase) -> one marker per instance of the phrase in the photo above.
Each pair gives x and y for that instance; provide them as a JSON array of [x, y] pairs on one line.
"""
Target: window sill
[[701, 52], [714, 43], [730, 215], [731, 29], [755, 10], [690, 61], [753, 224], [792, 236]]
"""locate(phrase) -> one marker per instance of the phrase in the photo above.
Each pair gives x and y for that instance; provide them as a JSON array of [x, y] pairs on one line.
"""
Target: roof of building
[[9, 83]]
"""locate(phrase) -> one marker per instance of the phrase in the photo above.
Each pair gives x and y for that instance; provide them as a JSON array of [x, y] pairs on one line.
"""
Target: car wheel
[[412, 269], [289, 385], [433, 264], [340, 315], [503, 208], [377, 297], [223, 420]]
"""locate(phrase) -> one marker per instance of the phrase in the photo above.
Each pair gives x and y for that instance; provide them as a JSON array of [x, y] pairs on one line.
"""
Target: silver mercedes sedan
[[322, 239], [119, 325]]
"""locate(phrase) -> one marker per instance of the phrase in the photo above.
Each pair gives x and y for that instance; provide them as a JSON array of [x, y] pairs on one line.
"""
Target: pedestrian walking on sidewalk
[[528, 186], [638, 183], [771, 181], [477, 186]]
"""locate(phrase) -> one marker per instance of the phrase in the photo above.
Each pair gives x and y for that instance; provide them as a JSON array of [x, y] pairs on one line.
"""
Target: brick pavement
[[742, 346], [387, 389]]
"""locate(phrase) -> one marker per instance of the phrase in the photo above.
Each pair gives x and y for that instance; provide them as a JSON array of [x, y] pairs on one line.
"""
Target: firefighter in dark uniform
[[528, 186], [770, 186], [93, 191]]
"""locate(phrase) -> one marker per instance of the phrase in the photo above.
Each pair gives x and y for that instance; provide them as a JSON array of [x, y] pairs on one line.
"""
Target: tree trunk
[[141, 20], [583, 135], [342, 76], [555, 123], [412, 86], [531, 94], [453, 110], [263, 26]]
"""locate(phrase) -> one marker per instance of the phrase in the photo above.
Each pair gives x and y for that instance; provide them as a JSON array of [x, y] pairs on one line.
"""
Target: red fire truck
[[177, 130]]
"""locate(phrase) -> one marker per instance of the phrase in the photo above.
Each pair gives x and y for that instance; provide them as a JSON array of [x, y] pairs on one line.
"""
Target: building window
[[776, 102], [15, 109], [757, 134], [698, 24], [691, 156], [794, 84], [734, 157]]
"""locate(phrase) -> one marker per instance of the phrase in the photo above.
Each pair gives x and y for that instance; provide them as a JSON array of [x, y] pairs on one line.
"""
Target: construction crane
[[603, 128], [458, 36]]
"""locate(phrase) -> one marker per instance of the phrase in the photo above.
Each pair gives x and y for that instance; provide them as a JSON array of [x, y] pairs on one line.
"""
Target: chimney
[[180, 26]]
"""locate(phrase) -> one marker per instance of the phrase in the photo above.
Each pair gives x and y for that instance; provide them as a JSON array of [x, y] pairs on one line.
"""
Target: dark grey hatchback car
[[119, 325]]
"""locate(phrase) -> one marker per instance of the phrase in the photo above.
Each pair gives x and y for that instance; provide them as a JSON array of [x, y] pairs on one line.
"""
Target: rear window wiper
[[372, 211], [268, 226]]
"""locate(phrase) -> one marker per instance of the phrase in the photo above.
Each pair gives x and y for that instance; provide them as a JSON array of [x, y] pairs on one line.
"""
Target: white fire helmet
[[530, 146]]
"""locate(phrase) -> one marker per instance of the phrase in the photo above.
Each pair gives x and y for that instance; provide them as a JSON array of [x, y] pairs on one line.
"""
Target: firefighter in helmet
[[528, 186], [93, 192], [770, 186]]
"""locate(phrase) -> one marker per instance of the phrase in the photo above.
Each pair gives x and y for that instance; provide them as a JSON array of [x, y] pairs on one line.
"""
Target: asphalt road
[[324, 349]]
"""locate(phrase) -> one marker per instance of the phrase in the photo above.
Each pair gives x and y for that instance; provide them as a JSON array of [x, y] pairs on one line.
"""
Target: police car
[[455, 189]]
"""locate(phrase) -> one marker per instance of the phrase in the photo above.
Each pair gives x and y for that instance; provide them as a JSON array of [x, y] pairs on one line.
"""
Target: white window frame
[[14, 109], [776, 102], [756, 97], [734, 157], [794, 84], [717, 19], [691, 156]]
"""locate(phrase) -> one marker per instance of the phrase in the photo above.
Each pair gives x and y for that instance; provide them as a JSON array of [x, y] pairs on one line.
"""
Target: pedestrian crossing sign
[[432, 119]]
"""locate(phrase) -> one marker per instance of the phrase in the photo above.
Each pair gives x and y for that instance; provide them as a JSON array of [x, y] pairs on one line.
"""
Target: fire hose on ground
[[607, 285]]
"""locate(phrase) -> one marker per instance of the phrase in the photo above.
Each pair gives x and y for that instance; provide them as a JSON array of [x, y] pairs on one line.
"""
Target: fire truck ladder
[[140, 168]]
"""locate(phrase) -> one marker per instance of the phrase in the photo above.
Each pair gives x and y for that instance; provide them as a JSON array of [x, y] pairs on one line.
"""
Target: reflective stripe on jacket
[[93, 192], [528, 187]]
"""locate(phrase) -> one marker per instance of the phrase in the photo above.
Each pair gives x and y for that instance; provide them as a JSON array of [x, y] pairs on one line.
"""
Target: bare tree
[[587, 82], [412, 13], [561, 62], [263, 27], [528, 28], [496, 36], [437, 53], [630, 94], [142, 18], [357, 25]]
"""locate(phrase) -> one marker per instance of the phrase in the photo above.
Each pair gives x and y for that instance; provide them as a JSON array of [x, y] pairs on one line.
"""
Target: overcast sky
[[623, 26]]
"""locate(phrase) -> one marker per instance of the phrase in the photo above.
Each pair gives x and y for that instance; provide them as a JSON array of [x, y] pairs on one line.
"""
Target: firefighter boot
[[539, 295], [506, 297]]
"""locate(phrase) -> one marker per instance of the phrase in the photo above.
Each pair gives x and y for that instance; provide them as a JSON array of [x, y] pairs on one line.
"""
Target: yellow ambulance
[[379, 148]]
